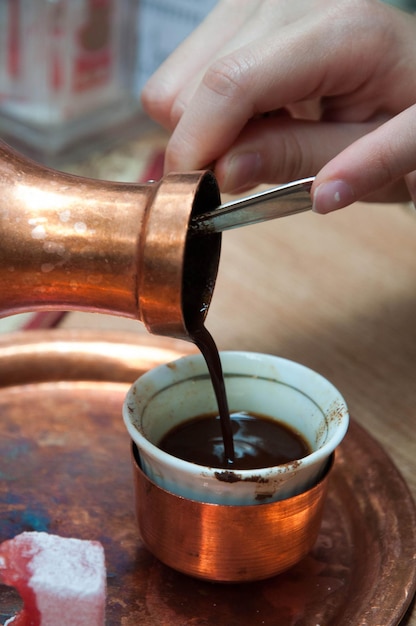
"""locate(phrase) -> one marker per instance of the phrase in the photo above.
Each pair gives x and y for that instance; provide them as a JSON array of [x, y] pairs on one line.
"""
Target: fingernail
[[333, 195], [241, 170]]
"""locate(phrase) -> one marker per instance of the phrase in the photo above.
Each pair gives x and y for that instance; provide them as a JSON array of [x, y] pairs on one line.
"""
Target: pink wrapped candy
[[62, 581]]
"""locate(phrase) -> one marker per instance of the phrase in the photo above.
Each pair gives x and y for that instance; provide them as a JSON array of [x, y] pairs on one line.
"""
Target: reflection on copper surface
[[75, 243], [43, 355], [360, 570], [227, 543]]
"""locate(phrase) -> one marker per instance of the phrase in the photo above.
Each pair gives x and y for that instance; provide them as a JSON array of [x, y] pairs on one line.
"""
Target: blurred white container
[[67, 70]]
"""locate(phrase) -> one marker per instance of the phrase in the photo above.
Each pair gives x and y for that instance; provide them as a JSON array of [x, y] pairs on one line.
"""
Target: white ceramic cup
[[268, 385]]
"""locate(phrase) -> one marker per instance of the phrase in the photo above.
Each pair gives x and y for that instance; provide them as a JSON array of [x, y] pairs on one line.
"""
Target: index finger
[[186, 63], [309, 59]]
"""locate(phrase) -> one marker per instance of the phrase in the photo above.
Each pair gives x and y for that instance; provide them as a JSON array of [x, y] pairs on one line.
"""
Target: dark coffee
[[259, 441], [197, 332], [203, 339]]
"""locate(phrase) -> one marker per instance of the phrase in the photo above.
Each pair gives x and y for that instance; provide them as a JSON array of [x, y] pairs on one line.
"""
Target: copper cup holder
[[227, 543]]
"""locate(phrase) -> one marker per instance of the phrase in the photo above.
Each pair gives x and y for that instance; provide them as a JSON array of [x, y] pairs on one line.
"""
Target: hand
[[270, 91]]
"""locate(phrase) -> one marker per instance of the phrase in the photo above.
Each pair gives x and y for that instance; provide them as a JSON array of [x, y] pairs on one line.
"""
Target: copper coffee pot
[[72, 243]]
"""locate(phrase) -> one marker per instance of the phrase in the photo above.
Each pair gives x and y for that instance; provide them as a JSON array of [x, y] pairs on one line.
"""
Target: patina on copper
[[75, 243], [66, 469]]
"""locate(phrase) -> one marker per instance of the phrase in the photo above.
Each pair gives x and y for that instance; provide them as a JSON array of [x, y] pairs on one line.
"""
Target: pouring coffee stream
[[279, 201], [147, 252]]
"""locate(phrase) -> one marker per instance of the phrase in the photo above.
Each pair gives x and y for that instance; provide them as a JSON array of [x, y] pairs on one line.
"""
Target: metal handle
[[281, 201]]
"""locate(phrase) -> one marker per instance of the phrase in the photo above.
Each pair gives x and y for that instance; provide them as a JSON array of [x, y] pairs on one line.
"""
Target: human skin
[[268, 91]]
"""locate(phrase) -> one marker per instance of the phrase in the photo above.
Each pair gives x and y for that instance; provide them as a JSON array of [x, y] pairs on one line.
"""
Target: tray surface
[[65, 469]]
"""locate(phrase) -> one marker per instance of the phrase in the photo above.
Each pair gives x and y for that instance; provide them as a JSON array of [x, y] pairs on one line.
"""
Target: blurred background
[[71, 73], [72, 70]]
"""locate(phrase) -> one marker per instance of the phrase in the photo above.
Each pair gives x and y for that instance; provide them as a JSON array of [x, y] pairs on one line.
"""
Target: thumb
[[370, 165], [280, 149]]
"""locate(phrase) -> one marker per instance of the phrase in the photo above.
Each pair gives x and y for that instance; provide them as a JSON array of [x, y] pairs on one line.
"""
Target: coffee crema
[[259, 441]]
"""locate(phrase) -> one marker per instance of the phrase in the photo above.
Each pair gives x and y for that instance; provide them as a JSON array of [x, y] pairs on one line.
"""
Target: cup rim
[[274, 504], [184, 366]]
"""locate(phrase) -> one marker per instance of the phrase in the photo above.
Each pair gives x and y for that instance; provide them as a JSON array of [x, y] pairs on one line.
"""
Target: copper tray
[[65, 468]]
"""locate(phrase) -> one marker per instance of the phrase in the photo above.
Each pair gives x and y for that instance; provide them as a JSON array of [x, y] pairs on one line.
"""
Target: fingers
[[230, 26], [234, 25], [170, 88], [310, 58], [281, 149], [369, 165], [282, 56]]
